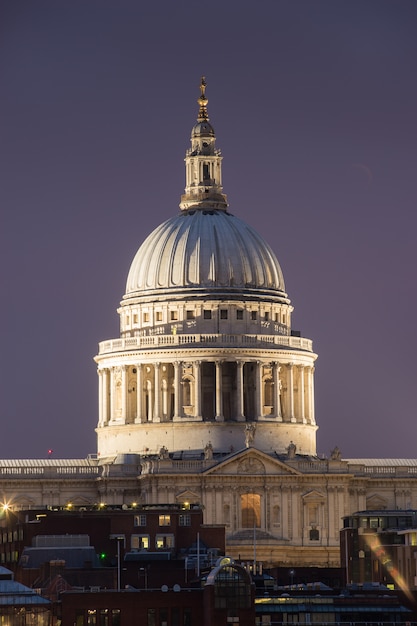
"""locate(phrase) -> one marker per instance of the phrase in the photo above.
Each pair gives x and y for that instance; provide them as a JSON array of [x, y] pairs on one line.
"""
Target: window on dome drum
[[174, 316], [164, 520], [207, 314], [135, 318], [127, 319], [158, 316], [253, 315], [146, 317], [250, 505], [239, 314], [185, 520], [164, 542], [140, 520], [139, 542], [190, 315], [223, 314], [266, 316]]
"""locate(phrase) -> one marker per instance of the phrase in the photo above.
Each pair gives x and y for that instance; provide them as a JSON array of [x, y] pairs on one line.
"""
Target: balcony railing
[[202, 340]]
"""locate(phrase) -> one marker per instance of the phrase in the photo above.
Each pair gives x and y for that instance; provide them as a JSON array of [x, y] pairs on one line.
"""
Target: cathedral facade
[[207, 395]]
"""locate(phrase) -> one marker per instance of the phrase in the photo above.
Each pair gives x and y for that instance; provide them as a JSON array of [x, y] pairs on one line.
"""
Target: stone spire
[[203, 170]]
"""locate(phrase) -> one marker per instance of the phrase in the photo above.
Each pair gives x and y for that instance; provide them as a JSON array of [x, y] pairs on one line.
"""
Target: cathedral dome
[[205, 250]]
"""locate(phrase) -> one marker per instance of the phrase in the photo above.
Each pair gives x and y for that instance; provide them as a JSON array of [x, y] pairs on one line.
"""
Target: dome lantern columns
[[203, 164]]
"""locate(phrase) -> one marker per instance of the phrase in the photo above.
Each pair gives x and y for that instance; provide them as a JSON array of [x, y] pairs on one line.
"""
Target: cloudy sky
[[314, 107]]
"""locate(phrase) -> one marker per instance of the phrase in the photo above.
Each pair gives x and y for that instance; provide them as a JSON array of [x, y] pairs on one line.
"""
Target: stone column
[[239, 392], [301, 393], [219, 393], [124, 394], [105, 398], [139, 394], [177, 391], [112, 395], [157, 385], [258, 390], [100, 397], [284, 511], [312, 408], [331, 511], [197, 390], [277, 391], [290, 392]]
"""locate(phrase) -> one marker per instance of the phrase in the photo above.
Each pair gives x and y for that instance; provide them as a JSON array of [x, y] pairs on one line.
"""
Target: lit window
[[164, 542], [174, 316], [207, 314], [223, 314], [139, 542], [251, 510], [239, 314], [140, 520], [164, 520], [185, 520]]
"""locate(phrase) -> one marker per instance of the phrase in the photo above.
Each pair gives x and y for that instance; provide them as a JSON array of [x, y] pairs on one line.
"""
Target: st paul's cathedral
[[207, 395]]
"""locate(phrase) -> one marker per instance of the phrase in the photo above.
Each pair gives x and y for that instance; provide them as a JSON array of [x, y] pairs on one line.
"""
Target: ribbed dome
[[204, 250]]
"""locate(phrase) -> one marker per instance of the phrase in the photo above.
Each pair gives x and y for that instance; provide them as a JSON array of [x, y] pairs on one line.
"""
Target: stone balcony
[[204, 340]]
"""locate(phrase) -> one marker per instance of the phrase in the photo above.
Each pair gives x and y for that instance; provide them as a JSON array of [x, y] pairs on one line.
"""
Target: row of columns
[[153, 392]]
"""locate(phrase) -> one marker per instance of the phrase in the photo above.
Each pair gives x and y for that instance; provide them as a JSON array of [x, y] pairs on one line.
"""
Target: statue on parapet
[[250, 430], [335, 454], [163, 453], [208, 451], [291, 450]]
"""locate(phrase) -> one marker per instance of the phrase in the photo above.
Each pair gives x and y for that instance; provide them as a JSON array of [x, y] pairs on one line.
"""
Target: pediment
[[251, 461], [313, 496], [187, 496], [376, 503]]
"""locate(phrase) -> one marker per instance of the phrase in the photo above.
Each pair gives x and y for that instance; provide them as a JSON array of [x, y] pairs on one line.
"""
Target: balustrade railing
[[199, 339]]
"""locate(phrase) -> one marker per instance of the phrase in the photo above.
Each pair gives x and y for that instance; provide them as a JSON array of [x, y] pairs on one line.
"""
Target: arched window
[[250, 505], [232, 587]]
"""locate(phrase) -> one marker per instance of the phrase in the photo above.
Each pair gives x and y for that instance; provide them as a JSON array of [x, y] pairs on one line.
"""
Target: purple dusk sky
[[314, 103]]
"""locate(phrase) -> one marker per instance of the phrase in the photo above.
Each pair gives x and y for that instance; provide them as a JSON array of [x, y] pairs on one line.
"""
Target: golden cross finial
[[202, 101]]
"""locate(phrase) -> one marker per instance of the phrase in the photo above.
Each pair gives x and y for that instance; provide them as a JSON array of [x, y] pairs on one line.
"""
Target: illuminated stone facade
[[207, 395]]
